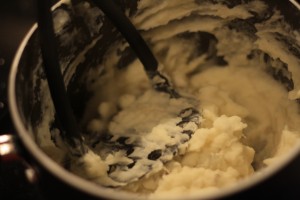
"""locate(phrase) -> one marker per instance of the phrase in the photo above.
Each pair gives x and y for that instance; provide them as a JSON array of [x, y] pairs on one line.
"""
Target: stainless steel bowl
[[76, 29]]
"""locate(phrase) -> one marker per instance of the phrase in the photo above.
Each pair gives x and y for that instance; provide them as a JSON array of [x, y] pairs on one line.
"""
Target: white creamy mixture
[[247, 118]]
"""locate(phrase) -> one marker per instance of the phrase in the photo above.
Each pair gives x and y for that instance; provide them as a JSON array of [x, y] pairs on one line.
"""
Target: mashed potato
[[234, 60]]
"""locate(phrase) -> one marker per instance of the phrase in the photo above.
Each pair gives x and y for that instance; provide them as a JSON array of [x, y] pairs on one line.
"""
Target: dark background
[[16, 18]]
